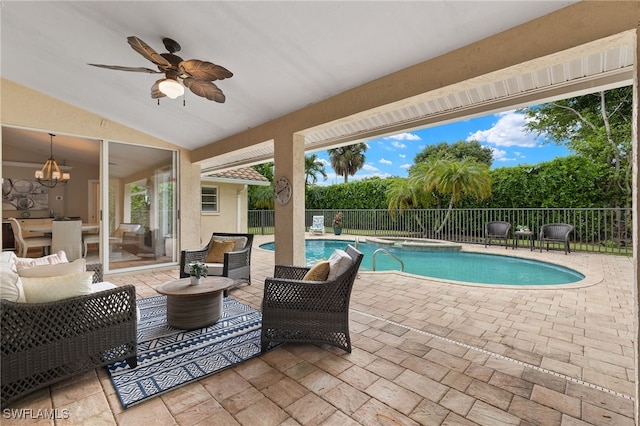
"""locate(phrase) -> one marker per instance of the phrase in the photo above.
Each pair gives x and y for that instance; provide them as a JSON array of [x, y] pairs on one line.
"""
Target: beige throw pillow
[[51, 289], [75, 267], [318, 272], [217, 249]]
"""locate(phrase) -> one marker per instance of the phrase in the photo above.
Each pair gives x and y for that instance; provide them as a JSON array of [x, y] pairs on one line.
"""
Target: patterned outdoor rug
[[169, 358]]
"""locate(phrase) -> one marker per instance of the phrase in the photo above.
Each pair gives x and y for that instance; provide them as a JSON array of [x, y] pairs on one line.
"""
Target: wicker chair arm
[[190, 256], [97, 269], [290, 272], [237, 259]]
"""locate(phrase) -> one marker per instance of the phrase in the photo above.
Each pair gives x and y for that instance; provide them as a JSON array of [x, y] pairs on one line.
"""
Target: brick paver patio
[[424, 352]]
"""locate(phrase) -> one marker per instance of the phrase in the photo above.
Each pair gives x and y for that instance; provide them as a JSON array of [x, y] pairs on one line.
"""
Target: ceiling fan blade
[[120, 68], [206, 89], [145, 50], [202, 70], [155, 90]]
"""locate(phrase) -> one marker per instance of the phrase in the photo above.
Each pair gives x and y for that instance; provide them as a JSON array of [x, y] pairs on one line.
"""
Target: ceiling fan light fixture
[[171, 88]]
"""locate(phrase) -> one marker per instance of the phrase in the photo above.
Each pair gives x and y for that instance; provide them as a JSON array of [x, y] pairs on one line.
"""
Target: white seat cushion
[[10, 283], [215, 268], [52, 259], [102, 286], [339, 262]]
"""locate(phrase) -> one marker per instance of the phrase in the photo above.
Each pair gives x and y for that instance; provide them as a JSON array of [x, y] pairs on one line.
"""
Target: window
[[209, 199]]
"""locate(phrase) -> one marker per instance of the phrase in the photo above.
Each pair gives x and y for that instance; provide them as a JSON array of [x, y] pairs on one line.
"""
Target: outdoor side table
[[523, 235], [194, 306]]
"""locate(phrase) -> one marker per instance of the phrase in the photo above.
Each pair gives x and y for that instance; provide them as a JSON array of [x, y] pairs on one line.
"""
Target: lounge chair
[[299, 309], [555, 233], [317, 227], [234, 263], [496, 230], [115, 240]]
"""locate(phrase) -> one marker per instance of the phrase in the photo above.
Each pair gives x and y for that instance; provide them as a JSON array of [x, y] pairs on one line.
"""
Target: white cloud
[[406, 166], [398, 145], [324, 162], [500, 155], [370, 168], [361, 176], [402, 155], [404, 137], [507, 131], [387, 162]]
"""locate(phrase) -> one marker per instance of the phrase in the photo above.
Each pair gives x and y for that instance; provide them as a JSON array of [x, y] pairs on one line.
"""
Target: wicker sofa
[[44, 343], [235, 265], [295, 309]]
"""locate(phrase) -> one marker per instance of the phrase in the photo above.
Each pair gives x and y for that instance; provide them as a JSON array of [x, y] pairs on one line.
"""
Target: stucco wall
[[232, 214]]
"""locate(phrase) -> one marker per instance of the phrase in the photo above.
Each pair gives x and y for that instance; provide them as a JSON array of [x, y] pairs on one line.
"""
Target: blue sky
[[503, 132]]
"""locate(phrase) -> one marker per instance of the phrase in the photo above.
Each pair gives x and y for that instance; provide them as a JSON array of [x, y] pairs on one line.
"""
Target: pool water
[[457, 266]]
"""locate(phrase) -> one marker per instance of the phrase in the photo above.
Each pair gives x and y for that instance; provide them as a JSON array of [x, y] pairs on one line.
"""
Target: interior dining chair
[[67, 235], [89, 239], [24, 243]]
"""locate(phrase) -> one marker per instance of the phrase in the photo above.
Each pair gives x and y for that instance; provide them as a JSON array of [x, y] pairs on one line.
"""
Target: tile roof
[[246, 174]]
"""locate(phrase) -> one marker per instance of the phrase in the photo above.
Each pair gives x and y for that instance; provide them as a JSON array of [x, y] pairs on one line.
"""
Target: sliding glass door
[[141, 206]]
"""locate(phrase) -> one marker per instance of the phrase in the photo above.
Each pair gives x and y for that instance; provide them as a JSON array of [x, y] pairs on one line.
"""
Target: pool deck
[[424, 352]]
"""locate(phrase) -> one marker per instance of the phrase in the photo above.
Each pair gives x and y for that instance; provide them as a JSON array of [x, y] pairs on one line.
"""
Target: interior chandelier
[[50, 175]]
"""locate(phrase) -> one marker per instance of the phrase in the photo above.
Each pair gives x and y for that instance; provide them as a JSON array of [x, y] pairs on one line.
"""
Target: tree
[[452, 178], [347, 160], [456, 151], [313, 167], [596, 126], [261, 197], [403, 195]]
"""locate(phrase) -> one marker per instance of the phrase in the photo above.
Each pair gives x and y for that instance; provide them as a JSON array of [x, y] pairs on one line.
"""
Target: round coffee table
[[194, 306]]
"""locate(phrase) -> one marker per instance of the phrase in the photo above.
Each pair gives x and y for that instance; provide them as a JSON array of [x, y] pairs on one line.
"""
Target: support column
[[636, 216], [289, 218]]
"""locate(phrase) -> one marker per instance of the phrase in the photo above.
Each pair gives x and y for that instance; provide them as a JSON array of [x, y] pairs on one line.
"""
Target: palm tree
[[261, 197], [313, 167], [347, 160], [453, 178], [403, 195]]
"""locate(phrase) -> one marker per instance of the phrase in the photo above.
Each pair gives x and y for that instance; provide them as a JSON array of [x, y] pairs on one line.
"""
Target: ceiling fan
[[195, 74]]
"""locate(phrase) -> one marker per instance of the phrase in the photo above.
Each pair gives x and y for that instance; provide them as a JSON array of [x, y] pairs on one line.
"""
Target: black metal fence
[[603, 230]]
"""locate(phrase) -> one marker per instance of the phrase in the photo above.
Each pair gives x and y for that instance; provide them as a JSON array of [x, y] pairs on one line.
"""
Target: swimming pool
[[454, 265]]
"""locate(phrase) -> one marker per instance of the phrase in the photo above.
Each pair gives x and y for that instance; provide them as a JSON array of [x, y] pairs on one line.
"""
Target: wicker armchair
[[236, 265], [44, 343], [294, 310], [555, 233], [496, 230]]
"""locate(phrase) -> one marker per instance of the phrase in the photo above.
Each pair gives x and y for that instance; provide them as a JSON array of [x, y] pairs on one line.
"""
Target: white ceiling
[[284, 55]]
